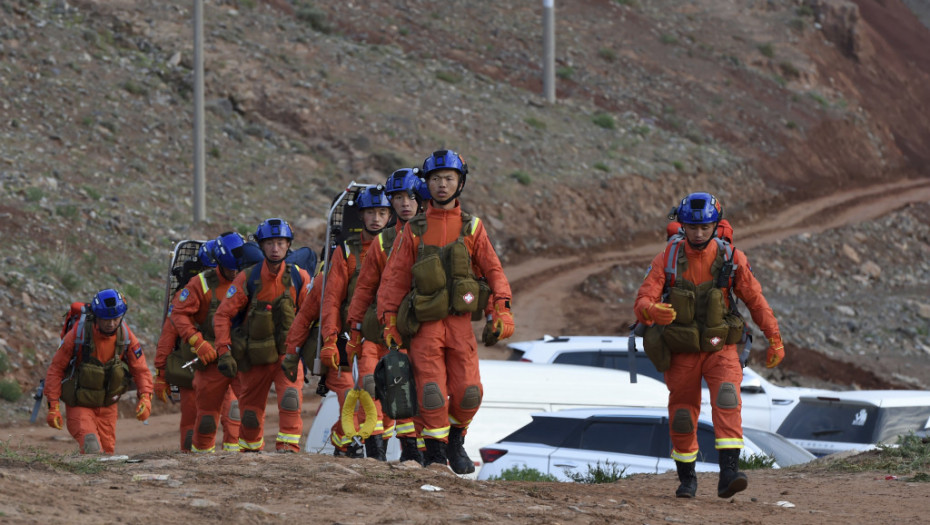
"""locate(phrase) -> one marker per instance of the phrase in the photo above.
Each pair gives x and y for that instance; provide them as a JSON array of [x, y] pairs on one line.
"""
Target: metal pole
[[200, 184], [549, 50]]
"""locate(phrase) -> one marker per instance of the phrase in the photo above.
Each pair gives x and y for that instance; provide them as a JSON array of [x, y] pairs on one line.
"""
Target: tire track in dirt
[[541, 285]]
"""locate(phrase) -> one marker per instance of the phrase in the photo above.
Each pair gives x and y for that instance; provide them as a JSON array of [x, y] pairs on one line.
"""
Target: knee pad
[[471, 399], [727, 396], [234, 410], [91, 444], [432, 396], [188, 440], [207, 425], [290, 401], [368, 383], [249, 419], [681, 422]]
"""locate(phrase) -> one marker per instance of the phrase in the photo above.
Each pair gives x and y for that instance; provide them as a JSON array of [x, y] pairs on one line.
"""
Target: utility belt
[[260, 340], [94, 384]]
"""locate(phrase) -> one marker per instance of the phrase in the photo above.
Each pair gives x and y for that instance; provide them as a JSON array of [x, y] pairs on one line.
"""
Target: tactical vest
[[371, 328], [175, 374], [703, 321], [443, 281], [91, 383], [260, 338]]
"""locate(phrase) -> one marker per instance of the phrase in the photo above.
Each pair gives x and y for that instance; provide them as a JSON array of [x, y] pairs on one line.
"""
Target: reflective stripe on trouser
[[444, 355], [728, 443], [251, 446], [683, 379], [405, 428], [211, 389], [339, 382], [188, 414], [101, 421], [231, 447], [210, 450], [256, 384]]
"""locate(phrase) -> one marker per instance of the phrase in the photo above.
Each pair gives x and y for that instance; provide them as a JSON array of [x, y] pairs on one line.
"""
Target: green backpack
[[395, 386]]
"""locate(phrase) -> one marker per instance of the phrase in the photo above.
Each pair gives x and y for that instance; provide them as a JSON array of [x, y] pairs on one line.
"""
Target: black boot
[[435, 453], [375, 448], [688, 479], [731, 479], [351, 451], [458, 458], [409, 450]]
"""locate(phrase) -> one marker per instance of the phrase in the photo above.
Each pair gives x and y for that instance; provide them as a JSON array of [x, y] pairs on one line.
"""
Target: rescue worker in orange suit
[[405, 190], [216, 391], [688, 292], [91, 370], [268, 294], [443, 350], [374, 210], [168, 344]]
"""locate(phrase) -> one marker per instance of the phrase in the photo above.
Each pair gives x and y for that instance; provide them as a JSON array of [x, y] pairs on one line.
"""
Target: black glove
[[289, 366], [227, 365], [490, 336]]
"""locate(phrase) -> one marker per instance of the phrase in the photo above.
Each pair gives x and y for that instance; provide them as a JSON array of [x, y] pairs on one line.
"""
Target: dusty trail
[[541, 284]]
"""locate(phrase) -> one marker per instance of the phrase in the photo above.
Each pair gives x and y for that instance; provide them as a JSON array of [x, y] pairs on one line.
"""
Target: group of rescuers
[[687, 303]]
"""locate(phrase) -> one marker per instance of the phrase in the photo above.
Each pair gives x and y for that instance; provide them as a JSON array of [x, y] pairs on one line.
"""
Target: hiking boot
[[435, 453], [376, 448], [409, 450], [458, 458], [731, 479], [688, 479], [351, 451]]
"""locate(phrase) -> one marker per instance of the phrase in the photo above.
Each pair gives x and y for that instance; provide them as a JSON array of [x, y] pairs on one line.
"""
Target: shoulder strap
[[253, 281], [469, 224], [417, 224]]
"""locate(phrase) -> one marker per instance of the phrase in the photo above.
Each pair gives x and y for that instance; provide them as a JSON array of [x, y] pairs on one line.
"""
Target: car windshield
[[785, 452], [835, 421], [544, 430], [898, 421]]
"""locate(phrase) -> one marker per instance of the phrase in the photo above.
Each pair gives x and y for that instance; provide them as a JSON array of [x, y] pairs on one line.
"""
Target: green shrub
[[68, 211], [34, 194], [607, 54], [604, 120], [609, 473], [9, 390], [131, 290], [92, 192], [314, 17], [4, 362], [564, 72], [521, 177], [601, 166], [767, 50], [791, 124], [535, 123], [678, 165], [448, 76], [523, 474], [134, 89], [668, 39], [756, 462]]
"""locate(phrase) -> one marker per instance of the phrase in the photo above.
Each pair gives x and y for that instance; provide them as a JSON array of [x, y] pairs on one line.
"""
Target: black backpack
[[395, 386]]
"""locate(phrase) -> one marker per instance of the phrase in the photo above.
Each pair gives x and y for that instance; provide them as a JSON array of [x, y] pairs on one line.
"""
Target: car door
[[630, 444]]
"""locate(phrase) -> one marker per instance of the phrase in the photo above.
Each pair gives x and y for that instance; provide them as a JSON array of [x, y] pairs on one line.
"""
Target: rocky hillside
[[763, 102]]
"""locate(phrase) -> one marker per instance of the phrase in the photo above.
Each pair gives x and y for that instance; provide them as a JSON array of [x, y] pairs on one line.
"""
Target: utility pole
[[200, 183], [549, 50]]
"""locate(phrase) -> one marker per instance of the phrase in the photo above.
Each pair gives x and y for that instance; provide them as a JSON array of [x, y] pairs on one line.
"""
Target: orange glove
[[54, 415], [204, 350], [144, 407], [392, 338], [354, 345], [660, 313], [329, 354], [161, 386], [776, 351], [500, 323]]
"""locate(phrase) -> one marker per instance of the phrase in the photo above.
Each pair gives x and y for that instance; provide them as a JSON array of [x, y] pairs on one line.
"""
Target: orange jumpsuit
[[365, 291], [340, 273], [720, 369], [443, 353], [256, 382], [167, 342], [100, 422], [214, 395]]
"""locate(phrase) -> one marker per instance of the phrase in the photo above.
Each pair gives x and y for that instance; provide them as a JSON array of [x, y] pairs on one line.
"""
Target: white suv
[[765, 405]]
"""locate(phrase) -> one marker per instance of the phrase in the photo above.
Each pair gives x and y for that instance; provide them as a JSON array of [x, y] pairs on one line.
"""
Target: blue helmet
[[228, 250], [108, 304], [699, 208], [205, 254], [273, 229], [373, 196], [407, 180], [446, 159]]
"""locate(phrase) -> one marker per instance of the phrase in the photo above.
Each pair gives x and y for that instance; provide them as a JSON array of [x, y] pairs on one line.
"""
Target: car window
[[552, 431], [898, 421], [577, 358], [623, 437], [620, 361], [833, 421]]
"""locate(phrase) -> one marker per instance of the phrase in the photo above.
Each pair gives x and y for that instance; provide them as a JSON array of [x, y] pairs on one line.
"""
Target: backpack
[[395, 386], [72, 316]]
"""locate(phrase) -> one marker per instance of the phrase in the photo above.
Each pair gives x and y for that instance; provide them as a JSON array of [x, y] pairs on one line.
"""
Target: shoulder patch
[[170, 308], [230, 292], [137, 351], [184, 294]]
